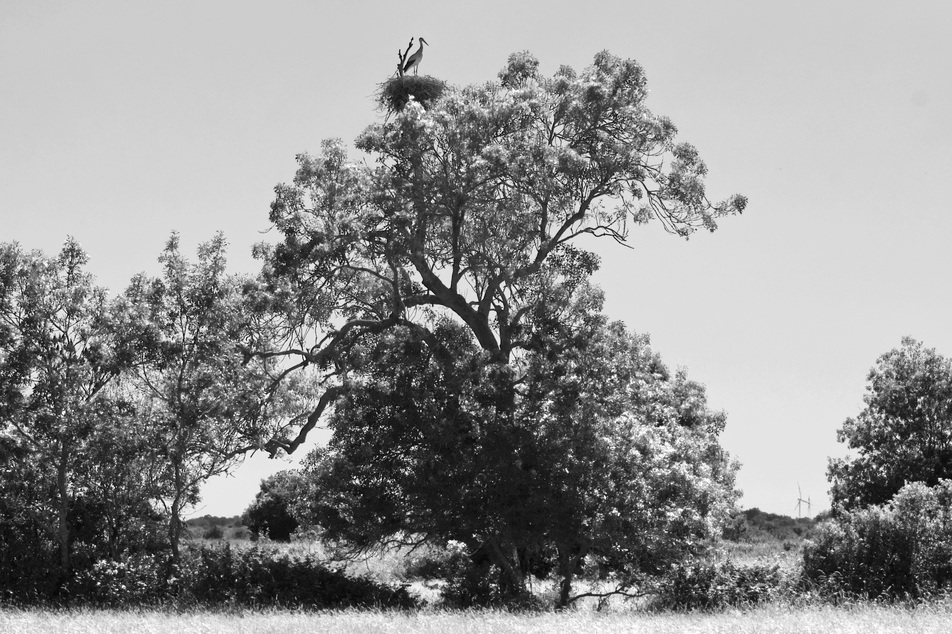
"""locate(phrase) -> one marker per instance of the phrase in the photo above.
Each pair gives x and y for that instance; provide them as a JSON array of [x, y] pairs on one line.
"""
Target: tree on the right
[[904, 434], [600, 462]]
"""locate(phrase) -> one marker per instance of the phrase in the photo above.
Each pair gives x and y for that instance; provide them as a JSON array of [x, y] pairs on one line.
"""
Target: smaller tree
[[58, 353], [904, 434], [270, 512], [120, 478], [207, 404], [901, 549]]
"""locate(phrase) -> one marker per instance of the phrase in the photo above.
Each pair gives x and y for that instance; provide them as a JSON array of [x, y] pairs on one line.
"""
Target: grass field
[[630, 617], [868, 619]]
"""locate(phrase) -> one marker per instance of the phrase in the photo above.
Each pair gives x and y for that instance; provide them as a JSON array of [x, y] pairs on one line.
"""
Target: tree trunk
[[568, 563], [511, 569], [175, 513], [63, 510]]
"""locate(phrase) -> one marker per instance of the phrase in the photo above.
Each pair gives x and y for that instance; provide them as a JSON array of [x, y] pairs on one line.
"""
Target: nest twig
[[396, 92]]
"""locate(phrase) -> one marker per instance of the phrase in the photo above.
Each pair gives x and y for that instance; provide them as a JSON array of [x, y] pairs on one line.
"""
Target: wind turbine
[[800, 501]]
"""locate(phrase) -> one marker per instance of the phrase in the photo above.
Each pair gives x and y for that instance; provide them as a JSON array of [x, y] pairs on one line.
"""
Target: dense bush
[[904, 434], [469, 580], [28, 567], [257, 577], [712, 586], [215, 532], [751, 524], [902, 549], [270, 512], [217, 576], [134, 580]]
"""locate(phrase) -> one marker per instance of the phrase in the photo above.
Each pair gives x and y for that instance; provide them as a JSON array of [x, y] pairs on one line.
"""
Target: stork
[[415, 59]]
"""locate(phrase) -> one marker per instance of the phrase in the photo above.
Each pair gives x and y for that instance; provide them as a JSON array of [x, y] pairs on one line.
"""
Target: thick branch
[[478, 323], [276, 444], [604, 595]]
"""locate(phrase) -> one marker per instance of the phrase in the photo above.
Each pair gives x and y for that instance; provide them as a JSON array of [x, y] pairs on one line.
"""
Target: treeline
[[888, 536], [750, 524], [115, 410], [433, 308]]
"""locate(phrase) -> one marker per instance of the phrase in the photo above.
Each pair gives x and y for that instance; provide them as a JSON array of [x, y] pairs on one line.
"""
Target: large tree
[[904, 434], [450, 266], [471, 210], [599, 453]]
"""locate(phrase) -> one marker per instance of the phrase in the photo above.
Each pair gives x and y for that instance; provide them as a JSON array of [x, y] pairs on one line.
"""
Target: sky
[[122, 121]]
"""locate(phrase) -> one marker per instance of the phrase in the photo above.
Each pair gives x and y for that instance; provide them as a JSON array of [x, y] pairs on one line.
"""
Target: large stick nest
[[395, 94]]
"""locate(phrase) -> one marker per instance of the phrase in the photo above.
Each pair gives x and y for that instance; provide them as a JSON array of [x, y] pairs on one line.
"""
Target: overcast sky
[[122, 121]]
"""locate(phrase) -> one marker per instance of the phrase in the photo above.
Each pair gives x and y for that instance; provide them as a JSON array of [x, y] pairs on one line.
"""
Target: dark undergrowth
[[216, 577]]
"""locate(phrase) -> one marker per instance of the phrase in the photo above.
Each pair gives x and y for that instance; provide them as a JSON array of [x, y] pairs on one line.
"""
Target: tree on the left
[[113, 411], [59, 354], [206, 403]]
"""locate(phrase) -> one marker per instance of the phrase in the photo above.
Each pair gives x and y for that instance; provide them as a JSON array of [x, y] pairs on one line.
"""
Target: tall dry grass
[[858, 619]]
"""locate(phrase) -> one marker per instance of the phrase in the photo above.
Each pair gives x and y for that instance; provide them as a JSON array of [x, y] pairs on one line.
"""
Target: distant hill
[[755, 525], [207, 521], [212, 527]]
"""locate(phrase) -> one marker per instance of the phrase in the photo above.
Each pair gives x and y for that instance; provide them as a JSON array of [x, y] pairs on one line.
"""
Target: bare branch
[[620, 591]]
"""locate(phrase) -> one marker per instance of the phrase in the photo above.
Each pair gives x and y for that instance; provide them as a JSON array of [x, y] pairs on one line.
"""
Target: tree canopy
[[270, 512], [476, 391], [472, 208], [432, 303], [205, 403], [903, 435], [599, 453], [58, 353]]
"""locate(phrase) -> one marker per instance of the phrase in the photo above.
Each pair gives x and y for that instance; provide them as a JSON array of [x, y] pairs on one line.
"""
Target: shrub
[[270, 513], [899, 550], [223, 576], [215, 532], [470, 580], [712, 586], [28, 567], [133, 580], [256, 577]]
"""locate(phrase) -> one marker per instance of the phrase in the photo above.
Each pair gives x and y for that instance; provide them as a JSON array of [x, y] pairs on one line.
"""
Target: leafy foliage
[[63, 422], [131, 580], [471, 209], [900, 550], [224, 576], [270, 512], [205, 405], [257, 577], [111, 408], [603, 455], [749, 523], [718, 585], [904, 434]]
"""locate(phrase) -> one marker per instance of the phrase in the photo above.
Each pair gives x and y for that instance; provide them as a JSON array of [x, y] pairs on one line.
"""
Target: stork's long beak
[[424, 41]]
